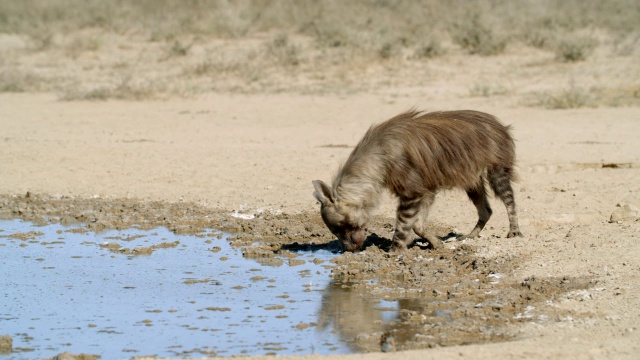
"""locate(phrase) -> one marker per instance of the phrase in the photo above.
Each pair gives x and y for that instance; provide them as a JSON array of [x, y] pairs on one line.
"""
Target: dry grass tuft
[[477, 36], [125, 90], [575, 48], [571, 98], [574, 97]]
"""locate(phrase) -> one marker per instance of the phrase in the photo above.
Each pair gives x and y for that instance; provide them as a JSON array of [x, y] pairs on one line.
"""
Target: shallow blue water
[[61, 291]]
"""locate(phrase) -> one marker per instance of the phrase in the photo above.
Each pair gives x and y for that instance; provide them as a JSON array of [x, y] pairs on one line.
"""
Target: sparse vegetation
[[574, 97], [260, 45], [124, 90], [12, 81], [283, 51], [386, 50], [429, 48], [575, 48], [571, 98], [476, 36], [486, 90], [15, 80], [179, 49]]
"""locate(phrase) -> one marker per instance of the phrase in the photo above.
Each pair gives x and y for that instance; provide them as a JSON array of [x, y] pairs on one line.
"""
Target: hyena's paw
[[436, 243], [474, 234], [398, 247], [514, 233]]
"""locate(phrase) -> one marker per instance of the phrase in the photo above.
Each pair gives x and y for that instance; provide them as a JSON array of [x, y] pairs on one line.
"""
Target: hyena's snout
[[352, 240]]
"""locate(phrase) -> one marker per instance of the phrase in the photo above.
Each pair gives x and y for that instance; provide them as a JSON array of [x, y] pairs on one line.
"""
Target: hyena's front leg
[[420, 227], [411, 216]]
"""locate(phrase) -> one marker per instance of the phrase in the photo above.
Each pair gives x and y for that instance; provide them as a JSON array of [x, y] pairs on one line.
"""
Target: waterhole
[[120, 294]]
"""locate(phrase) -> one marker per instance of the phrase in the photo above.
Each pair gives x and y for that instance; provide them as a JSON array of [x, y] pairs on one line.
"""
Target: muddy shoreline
[[451, 296]]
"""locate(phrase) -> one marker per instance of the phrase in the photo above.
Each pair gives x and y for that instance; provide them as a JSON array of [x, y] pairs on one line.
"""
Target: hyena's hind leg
[[500, 181], [478, 195]]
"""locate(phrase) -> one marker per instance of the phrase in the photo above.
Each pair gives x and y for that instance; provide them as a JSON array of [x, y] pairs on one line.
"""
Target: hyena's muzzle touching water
[[415, 155]]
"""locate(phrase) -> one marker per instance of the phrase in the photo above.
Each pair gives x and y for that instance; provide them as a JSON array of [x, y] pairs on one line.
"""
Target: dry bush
[[283, 51], [487, 90], [429, 48], [571, 98], [574, 97], [82, 44], [474, 34], [575, 48], [124, 90], [249, 45], [334, 23], [15, 80], [178, 48]]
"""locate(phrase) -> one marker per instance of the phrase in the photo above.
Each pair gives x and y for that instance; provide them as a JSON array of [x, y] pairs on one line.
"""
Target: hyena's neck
[[360, 183]]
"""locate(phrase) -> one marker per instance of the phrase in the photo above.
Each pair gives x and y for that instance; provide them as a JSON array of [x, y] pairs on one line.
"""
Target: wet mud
[[372, 300]]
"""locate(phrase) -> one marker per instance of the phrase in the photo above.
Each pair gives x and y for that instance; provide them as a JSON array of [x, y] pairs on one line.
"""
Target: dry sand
[[252, 153]]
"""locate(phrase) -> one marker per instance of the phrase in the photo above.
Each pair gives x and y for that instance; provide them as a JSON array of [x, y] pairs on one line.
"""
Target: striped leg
[[406, 217], [500, 180], [478, 196], [420, 227]]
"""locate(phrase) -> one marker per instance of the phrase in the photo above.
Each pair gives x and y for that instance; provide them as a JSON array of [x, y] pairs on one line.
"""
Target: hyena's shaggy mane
[[418, 153]]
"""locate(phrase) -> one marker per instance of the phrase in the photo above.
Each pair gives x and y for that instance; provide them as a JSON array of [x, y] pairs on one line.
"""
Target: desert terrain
[[114, 124]]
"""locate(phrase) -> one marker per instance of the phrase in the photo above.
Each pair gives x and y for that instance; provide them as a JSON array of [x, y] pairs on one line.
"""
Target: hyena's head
[[343, 220]]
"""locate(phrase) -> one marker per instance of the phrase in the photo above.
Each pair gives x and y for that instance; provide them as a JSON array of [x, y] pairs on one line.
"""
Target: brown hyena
[[414, 155]]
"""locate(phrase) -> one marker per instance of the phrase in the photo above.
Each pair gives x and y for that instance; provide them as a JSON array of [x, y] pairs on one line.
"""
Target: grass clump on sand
[[571, 98], [475, 35], [575, 48]]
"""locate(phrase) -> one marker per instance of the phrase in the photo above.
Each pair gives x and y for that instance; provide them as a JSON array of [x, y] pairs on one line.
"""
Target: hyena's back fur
[[414, 155]]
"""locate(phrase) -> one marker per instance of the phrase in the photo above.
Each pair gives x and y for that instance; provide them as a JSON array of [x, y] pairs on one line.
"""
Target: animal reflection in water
[[361, 321]]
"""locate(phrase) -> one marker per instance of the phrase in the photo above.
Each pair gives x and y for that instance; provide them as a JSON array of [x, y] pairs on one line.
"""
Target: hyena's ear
[[323, 192]]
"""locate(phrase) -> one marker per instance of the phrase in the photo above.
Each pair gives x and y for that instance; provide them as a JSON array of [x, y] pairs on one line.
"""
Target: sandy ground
[[258, 153]]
